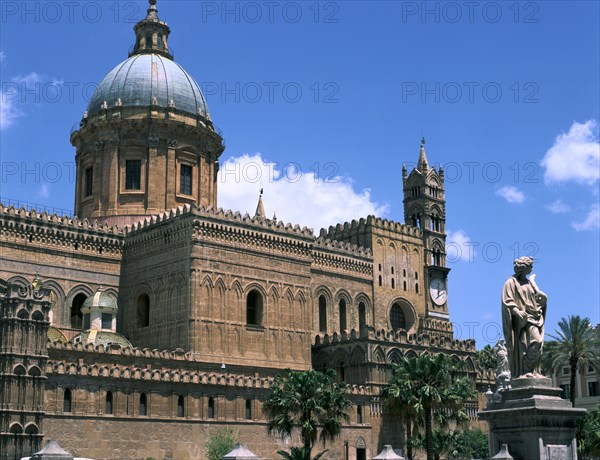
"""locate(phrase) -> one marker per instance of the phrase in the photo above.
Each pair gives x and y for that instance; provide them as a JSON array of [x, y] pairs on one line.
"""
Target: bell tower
[[425, 208]]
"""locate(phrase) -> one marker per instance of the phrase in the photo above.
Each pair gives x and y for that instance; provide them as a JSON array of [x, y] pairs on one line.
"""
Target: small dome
[[101, 338], [101, 300], [146, 80]]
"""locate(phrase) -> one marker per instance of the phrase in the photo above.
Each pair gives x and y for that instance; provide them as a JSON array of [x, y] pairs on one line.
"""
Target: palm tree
[[298, 453], [577, 344], [486, 358], [308, 400], [428, 386]]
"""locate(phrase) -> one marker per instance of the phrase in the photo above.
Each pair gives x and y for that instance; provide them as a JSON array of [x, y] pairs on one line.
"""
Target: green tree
[[309, 400], [471, 444], [432, 386], [221, 443], [588, 433], [577, 344], [486, 358]]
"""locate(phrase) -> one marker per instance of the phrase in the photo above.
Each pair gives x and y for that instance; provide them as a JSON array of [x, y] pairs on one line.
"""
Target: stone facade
[[214, 303]]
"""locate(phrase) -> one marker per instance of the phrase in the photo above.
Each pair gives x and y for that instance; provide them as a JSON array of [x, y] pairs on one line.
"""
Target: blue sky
[[322, 102]]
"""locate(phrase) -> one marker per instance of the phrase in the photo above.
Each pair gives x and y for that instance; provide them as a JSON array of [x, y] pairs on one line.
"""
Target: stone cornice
[[63, 232]]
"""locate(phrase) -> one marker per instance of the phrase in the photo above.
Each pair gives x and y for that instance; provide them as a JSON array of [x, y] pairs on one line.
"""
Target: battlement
[[355, 228], [158, 366], [62, 232], [398, 336]]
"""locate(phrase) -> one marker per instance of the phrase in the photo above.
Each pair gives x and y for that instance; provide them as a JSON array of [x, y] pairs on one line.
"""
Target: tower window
[[143, 310], [108, 407], [159, 41], [143, 404], [248, 409], [107, 321], [89, 181], [404, 285], [133, 174], [380, 280], [254, 308], [393, 283], [211, 407], [392, 270], [180, 411], [397, 318], [417, 288], [67, 400], [185, 180], [322, 313], [148, 41], [362, 316], [76, 315], [359, 415], [343, 324]]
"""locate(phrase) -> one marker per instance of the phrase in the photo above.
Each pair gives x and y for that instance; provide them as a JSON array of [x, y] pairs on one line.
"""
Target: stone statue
[[502, 370], [523, 316]]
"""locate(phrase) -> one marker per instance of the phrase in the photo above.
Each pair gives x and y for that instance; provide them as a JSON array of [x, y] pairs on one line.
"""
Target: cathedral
[[151, 319]]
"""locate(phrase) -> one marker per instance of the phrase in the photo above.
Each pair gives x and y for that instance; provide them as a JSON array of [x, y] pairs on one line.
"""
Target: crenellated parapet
[[359, 231], [145, 365], [399, 336], [64, 233], [332, 255]]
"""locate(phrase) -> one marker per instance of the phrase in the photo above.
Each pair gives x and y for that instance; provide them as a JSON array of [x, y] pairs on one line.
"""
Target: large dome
[[146, 80]]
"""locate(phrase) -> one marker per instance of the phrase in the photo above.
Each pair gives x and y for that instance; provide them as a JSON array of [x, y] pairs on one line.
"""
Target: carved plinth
[[533, 421]]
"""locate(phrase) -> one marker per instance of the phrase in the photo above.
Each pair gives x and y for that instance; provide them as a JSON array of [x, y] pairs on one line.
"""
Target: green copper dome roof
[[146, 80], [100, 300]]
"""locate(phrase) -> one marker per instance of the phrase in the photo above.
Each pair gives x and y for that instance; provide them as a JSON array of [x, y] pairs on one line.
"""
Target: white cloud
[[296, 196], [459, 247], [9, 112], [591, 221], [511, 194], [44, 191], [575, 156], [10, 96], [558, 207], [2, 56]]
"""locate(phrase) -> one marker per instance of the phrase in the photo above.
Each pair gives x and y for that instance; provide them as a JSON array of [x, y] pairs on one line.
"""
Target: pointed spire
[[422, 164], [260, 208]]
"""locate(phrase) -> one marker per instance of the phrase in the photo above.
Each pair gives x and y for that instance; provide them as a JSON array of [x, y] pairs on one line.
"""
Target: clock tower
[[425, 208]]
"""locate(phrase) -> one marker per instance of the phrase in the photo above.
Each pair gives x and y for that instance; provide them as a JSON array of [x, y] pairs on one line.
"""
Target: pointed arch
[[378, 355]]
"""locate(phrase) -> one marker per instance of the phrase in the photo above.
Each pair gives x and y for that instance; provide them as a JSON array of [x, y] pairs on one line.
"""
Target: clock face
[[438, 291]]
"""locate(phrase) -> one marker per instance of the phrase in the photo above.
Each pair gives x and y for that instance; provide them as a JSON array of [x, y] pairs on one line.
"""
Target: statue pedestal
[[533, 421]]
